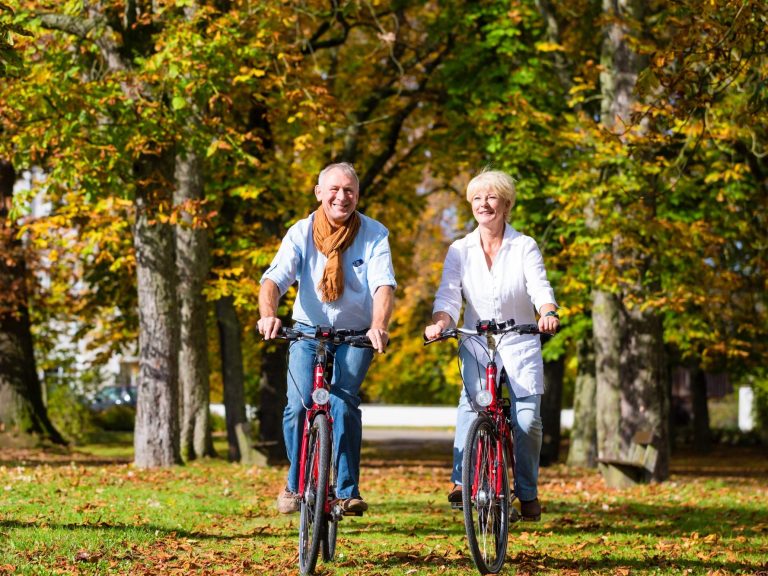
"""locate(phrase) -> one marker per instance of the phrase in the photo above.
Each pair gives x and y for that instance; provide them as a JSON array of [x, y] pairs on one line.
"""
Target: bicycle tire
[[329, 542], [312, 521], [329, 538], [486, 506]]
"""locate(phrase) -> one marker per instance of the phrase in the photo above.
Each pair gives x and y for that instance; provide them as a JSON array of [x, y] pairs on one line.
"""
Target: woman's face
[[338, 195], [489, 208]]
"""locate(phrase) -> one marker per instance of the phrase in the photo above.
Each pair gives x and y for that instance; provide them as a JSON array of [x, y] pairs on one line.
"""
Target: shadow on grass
[[263, 532], [654, 520], [530, 562]]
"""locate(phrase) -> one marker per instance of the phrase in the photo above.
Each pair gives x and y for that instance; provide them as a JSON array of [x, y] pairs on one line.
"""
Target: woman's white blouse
[[514, 285]]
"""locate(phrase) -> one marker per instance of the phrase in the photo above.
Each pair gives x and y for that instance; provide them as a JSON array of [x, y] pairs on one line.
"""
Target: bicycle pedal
[[352, 513], [457, 506]]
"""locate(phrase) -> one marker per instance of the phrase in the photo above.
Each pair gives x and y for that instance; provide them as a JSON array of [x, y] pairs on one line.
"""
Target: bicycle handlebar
[[485, 327], [328, 334]]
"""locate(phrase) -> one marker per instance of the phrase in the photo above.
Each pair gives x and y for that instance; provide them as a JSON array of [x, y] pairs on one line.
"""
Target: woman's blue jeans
[[349, 369], [527, 429]]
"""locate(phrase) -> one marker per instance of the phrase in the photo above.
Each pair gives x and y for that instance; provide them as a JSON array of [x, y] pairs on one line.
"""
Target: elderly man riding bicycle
[[343, 265]]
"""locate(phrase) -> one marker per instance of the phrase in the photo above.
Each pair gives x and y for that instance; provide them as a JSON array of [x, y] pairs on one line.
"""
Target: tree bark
[[230, 342], [551, 405], [605, 326], [192, 260], [156, 436], [21, 398], [583, 447]]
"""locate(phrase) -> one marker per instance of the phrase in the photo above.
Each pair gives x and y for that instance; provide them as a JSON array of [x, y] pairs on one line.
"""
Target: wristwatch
[[552, 313]]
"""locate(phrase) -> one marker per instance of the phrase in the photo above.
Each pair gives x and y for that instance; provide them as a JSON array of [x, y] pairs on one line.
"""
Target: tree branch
[[104, 37]]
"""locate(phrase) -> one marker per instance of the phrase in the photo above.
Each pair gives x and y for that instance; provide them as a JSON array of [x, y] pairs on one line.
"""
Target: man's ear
[[317, 191]]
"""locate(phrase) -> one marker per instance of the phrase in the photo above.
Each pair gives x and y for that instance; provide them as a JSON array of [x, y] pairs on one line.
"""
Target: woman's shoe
[[530, 510]]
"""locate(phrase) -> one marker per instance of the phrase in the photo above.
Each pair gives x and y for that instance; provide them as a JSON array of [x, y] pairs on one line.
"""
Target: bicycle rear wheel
[[485, 496], [312, 521]]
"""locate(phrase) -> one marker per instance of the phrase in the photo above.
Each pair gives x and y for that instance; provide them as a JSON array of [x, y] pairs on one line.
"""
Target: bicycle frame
[[495, 410], [321, 388], [322, 375]]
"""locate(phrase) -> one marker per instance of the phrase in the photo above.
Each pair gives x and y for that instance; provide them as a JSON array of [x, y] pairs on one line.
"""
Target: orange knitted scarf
[[332, 242]]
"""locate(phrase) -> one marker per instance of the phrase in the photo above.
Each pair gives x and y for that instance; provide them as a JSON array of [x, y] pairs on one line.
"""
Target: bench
[[635, 467]]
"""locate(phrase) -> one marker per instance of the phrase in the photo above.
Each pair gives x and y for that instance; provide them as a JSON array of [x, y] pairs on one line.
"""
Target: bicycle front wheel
[[485, 495], [329, 542], [312, 522], [332, 526]]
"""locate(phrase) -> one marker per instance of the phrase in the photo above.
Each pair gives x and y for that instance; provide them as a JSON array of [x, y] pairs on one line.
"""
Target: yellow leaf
[[549, 47]]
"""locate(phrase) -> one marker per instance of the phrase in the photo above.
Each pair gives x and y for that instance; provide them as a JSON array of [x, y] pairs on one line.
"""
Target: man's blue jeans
[[527, 429], [349, 369]]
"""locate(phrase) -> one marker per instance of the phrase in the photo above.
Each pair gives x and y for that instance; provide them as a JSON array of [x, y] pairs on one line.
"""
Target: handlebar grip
[[444, 335], [358, 341], [289, 333]]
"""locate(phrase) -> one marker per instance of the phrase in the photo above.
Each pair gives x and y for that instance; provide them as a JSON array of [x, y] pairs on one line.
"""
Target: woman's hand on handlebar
[[269, 327], [549, 324], [433, 331]]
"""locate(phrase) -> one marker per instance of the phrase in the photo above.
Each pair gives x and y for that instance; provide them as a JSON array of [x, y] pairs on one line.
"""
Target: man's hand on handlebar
[[379, 339], [269, 327]]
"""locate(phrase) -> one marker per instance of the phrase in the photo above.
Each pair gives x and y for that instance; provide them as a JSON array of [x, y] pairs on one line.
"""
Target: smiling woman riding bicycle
[[500, 274]]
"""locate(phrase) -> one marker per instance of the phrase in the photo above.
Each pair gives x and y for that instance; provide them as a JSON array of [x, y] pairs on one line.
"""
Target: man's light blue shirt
[[367, 264]]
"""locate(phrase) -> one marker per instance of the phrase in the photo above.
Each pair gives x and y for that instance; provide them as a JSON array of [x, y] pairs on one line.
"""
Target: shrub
[[69, 414], [116, 418]]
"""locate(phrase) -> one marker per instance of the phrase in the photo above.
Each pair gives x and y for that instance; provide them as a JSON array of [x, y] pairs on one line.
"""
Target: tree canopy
[[419, 96]]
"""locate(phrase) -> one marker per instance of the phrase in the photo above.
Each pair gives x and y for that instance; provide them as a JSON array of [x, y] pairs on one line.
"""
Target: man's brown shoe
[[531, 510], [288, 502], [352, 505], [454, 496]]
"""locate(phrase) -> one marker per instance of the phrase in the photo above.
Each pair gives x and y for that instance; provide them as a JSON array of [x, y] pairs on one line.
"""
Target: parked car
[[110, 396]]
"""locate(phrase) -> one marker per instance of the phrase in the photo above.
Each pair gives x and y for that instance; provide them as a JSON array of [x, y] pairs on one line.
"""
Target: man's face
[[338, 195]]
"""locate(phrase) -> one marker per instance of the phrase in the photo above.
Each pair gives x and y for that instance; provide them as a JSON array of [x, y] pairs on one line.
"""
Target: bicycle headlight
[[483, 398], [321, 396]]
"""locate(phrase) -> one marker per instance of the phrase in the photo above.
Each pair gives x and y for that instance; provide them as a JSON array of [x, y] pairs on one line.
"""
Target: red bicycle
[[319, 513], [488, 460]]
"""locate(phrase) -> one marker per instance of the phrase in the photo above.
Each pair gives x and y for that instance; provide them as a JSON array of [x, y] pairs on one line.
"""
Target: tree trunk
[[272, 401], [583, 448], [230, 341], [628, 341], [192, 260], [156, 436], [551, 405], [605, 326], [644, 398], [702, 437], [21, 398]]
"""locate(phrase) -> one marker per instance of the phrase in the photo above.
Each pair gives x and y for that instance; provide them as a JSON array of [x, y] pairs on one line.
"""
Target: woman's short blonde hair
[[496, 181]]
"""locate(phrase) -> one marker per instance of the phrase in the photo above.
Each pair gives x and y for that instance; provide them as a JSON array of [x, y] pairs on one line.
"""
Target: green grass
[[64, 513]]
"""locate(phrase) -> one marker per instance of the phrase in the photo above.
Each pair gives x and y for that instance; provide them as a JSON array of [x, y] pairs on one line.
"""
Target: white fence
[[403, 416]]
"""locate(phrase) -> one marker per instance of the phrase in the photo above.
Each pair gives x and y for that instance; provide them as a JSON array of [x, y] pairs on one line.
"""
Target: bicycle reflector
[[483, 398], [321, 396]]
